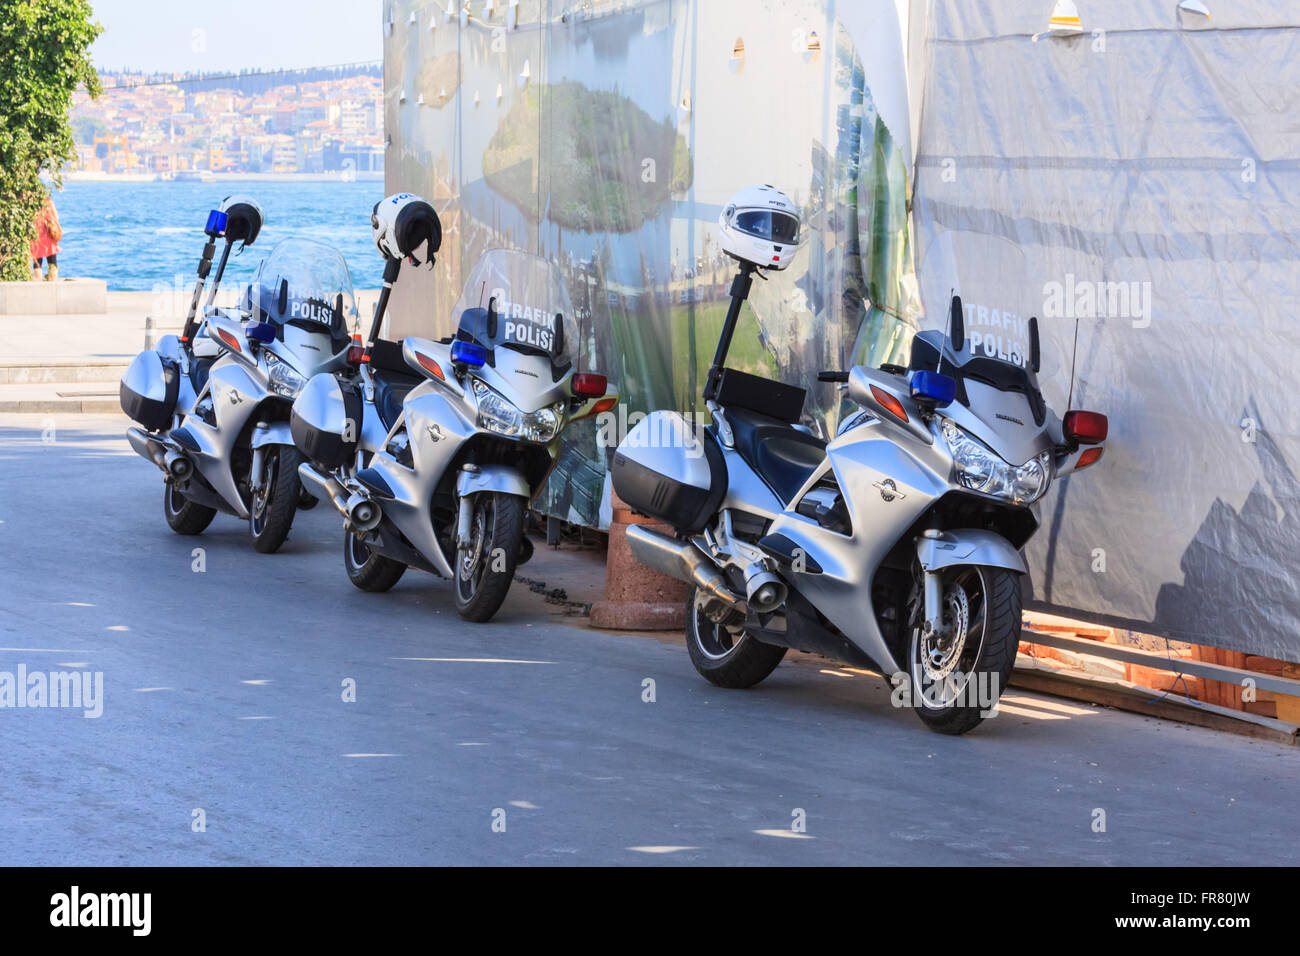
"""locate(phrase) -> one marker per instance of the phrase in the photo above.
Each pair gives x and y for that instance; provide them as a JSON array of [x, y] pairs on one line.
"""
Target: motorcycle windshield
[[518, 301], [304, 283], [991, 277]]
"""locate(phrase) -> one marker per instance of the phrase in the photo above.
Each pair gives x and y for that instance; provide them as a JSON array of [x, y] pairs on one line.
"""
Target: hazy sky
[[233, 34]]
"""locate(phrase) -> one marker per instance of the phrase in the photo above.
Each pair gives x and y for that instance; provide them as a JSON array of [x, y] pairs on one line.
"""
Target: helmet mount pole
[[205, 266], [740, 286], [392, 267]]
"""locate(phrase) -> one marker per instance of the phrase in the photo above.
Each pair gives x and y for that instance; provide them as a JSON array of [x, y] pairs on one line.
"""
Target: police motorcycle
[[161, 384], [896, 546], [446, 486], [232, 451]]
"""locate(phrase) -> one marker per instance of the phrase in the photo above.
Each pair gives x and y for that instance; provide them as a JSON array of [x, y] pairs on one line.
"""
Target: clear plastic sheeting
[[606, 138], [1147, 170]]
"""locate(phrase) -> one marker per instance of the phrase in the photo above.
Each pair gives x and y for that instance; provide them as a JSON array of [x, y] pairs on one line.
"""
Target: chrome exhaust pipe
[[680, 560], [359, 512], [173, 463], [177, 465], [764, 590], [362, 513]]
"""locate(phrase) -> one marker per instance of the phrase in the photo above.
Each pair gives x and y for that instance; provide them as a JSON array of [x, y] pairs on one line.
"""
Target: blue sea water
[[138, 235]]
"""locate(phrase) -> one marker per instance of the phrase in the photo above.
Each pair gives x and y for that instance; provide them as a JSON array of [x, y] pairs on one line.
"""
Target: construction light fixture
[[512, 15], [1064, 22], [412, 19], [814, 43], [684, 107], [1194, 6], [525, 74], [738, 49]]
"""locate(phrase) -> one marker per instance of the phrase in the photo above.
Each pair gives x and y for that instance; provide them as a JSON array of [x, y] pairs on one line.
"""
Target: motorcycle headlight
[[284, 380], [979, 469], [496, 413], [501, 416], [542, 425]]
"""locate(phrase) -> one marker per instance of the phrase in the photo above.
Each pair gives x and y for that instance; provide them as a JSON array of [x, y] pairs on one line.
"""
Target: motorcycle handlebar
[[832, 376]]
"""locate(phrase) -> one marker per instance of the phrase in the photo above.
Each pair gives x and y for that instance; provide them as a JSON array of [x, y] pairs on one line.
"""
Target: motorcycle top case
[[326, 421], [669, 470], [149, 390]]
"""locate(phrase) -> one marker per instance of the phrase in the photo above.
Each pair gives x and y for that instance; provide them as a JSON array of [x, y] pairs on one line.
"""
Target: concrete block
[[64, 297]]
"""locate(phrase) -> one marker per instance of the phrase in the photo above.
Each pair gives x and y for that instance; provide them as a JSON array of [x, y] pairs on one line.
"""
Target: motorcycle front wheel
[[724, 653], [485, 570], [956, 679], [271, 510]]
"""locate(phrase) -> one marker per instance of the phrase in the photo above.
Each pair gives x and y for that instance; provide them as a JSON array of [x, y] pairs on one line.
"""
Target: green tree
[[44, 57]]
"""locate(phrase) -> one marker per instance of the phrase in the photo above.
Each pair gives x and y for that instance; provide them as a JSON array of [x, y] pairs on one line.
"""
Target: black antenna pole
[[1069, 400], [740, 287]]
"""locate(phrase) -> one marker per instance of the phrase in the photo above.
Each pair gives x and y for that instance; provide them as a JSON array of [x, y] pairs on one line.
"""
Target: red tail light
[[356, 351], [590, 385], [1086, 428]]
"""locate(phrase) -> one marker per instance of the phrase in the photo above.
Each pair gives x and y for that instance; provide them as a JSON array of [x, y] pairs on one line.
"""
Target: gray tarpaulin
[[1148, 172]]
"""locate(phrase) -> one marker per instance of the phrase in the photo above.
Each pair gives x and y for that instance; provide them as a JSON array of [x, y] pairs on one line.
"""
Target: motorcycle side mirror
[[1035, 349], [558, 341], [492, 319], [284, 296], [957, 325]]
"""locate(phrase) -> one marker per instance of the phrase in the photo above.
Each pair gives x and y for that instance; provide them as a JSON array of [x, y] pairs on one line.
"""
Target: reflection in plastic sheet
[[605, 137]]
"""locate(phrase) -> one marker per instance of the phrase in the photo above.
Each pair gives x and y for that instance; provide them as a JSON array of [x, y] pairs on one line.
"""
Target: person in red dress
[[46, 244]]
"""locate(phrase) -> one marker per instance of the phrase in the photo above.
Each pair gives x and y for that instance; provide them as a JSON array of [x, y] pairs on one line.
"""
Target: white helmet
[[760, 225], [402, 223]]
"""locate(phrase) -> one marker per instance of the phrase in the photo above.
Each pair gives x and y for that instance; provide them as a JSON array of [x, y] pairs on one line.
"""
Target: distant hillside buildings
[[143, 124]]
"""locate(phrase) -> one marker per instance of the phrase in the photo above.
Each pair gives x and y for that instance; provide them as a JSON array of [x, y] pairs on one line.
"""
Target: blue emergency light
[[467, 353], [216, 223], [933, 387]]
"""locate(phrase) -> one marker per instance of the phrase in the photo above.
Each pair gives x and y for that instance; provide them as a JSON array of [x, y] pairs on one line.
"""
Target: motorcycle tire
[[726, 656], [367, 569], [270, 523], [185, 516], [484, 577], [993, 593]]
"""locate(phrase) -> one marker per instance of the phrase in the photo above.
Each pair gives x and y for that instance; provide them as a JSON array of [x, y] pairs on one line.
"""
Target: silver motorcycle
[[447, 489], [895, 546], [232, 451]]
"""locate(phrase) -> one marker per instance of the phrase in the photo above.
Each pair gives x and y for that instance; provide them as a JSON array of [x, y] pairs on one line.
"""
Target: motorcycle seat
[[391, 389], [782, 455], [199, 369]]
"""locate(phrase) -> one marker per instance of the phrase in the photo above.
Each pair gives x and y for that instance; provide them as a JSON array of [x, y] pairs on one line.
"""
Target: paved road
[[223, 693]]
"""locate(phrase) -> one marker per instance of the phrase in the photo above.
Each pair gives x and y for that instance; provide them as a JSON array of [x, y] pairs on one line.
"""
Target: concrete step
[[61, 372], [54, 398]]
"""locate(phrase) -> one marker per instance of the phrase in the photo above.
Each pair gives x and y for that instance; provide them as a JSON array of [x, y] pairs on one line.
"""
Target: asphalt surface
[[223, 692]]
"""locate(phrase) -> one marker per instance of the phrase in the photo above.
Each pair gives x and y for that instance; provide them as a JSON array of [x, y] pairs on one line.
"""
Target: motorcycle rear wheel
[[367, 569], [984, 606], [725, 655], [185, 516]]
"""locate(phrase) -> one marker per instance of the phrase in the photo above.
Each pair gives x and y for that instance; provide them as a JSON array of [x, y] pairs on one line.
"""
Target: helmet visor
[[768, 224]]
